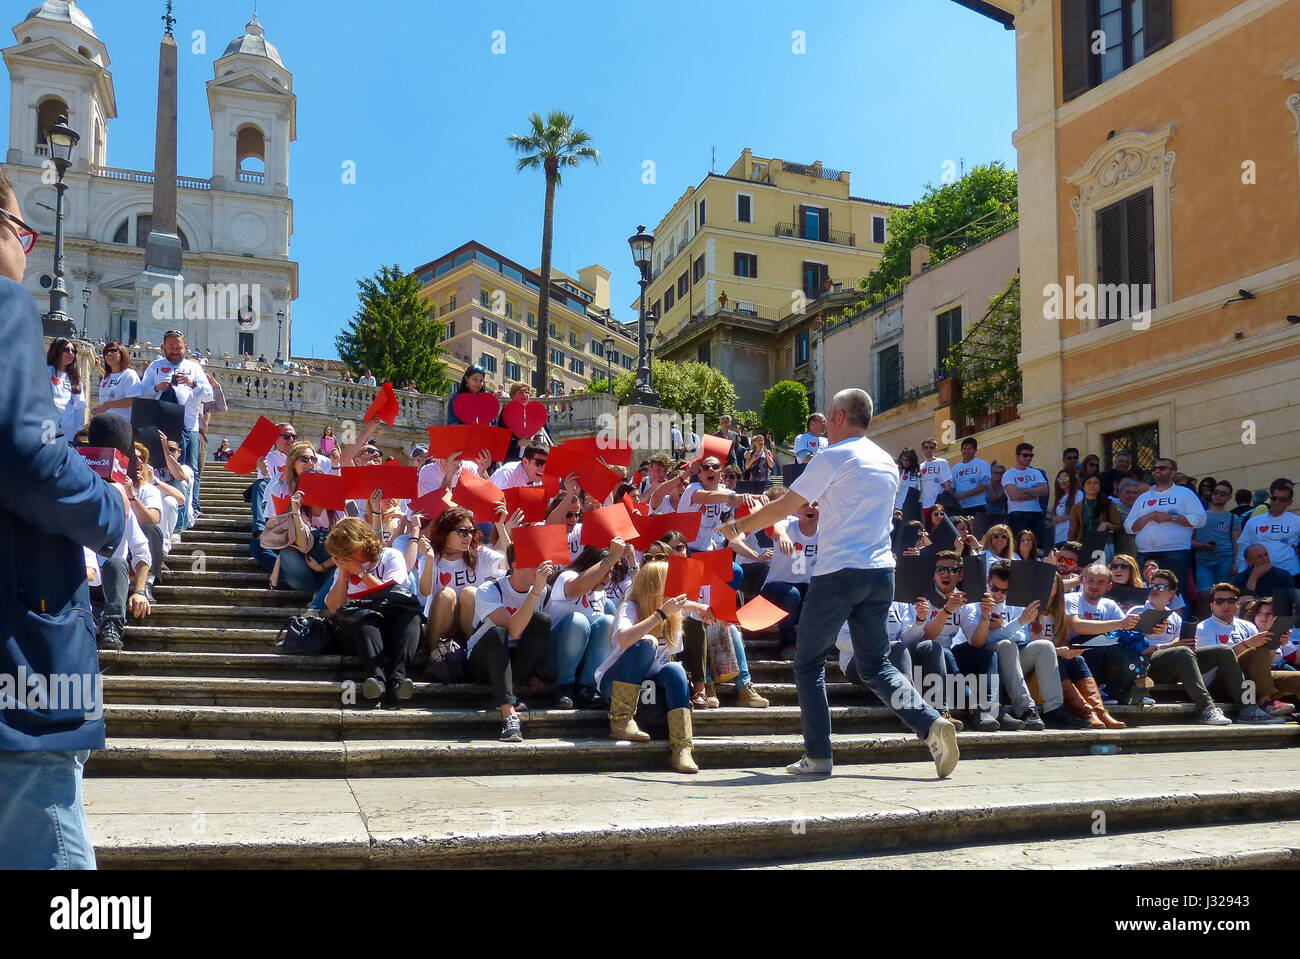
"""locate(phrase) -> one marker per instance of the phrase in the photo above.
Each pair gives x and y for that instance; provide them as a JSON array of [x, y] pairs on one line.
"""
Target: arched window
[[250, 150], [47, 111], [142, 223]]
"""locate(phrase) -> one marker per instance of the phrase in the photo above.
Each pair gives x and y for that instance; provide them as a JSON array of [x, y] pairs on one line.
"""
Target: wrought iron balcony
[[838, 237]]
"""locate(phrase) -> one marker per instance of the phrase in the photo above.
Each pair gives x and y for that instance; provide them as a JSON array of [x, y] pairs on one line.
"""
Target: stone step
[[186, 615], [244, 576], [234, 599], [661, 819], [210, 523], [467, 750], [184, 554], [200, 639], [261, 666], [200, 536]]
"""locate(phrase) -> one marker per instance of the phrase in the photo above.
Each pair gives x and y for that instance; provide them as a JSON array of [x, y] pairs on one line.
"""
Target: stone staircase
[[200, 703]]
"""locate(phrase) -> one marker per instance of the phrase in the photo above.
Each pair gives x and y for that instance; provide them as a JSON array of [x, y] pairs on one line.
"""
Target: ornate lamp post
[[62, 141], [642, 244], [279, 333], [609, 363], [85, 310]]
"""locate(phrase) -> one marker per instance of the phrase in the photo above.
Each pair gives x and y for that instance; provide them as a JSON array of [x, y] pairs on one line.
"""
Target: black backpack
[[306, 636]]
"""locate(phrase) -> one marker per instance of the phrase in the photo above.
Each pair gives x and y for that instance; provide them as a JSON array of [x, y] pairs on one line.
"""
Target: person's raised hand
[[1129, 622], [1149, 569], [571, 485], [376, 501], [502, 511], [986, 605], [483, 461], [617, 547], [673, 604], [956, 601], [542, 574], [922, 607], [1029, 614]]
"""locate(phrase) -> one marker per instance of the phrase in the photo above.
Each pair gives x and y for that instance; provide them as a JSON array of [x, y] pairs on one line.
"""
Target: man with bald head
[[854, 483], [53, 507]]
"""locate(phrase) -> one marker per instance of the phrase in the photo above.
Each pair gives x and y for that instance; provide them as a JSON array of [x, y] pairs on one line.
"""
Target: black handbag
[[448, 662], [306, 636]]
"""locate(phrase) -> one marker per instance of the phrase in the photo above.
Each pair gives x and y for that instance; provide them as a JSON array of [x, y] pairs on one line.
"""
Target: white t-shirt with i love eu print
[[389, 568], [966, 476], [1105, 609], [497, 593], [1024, 480], [590, 604], [1278, 534], [934, 473], [799, 566], [456, 575], [710, 513], [1212, 632]]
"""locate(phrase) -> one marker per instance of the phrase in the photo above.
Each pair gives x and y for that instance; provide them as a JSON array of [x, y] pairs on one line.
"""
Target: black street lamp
[[642, 244], [279, 332], [609, 362], [85, 310], [62, 140]]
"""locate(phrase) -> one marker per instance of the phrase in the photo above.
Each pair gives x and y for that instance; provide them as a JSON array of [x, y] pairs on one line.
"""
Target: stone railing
[[578, 415]]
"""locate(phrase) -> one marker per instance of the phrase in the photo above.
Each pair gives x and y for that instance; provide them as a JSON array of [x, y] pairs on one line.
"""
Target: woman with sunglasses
[[1124, 571], [119, 383], [305, 564], [1068, 495], [65, 386], [1090, 465], [580, 627], [694, 651], [997, 545], [450, 568]]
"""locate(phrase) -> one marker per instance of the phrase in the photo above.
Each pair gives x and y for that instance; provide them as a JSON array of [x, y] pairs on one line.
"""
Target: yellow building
[[1158, 150], [489, 304], [745, 254]]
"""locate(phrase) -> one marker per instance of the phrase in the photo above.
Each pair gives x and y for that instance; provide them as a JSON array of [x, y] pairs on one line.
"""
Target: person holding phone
[[1241, 654]]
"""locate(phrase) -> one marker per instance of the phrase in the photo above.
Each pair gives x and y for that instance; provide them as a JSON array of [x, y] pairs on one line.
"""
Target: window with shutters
[[814, 223], [744, 208], [701, 221], [889, 377], [654, 308], [514, 338], [877, 229], [702, 354], [948, 331], [670, 298], [557, 357], [513, 372], [1125, 258], [697, 268], [814, 279], [683, 284], [488, 362], [1100, 39], [801, 348], [746, 264], [488, 327]]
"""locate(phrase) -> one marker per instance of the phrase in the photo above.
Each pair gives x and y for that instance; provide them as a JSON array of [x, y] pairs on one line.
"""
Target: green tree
[[785, 409], [987, 362], [951, 217], [393, 333], [551, 144], [687, 388]]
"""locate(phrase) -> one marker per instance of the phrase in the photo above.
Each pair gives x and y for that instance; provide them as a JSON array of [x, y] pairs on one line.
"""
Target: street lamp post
[[642, 244], [85, 310], [62, 140], [609, 363], [279, 334]]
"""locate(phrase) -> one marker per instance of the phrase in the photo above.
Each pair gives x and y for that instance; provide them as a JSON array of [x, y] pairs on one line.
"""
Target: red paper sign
[[531, 499], [714, 446], [599, 527], [256, 445], [479, 496], [759, 614], [685, 576], [281, 504], [613, 452], [396, 481], [468, 440], [323, 491], [650, 528], [109, 463], [535, 545], [525, 420], [717, 563], [476, 407], [385, 406], [633, 507], [433, 503], [722, 600]]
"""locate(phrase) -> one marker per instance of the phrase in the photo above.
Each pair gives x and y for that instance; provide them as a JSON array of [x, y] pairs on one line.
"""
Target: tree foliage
[[393, 333], [951, 217], [986, 363], [785, 409], [687, 388]]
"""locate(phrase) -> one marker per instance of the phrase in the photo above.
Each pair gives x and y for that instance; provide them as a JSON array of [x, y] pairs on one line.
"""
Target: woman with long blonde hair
[[997, 545], [647, 634], [1124, 571], [306, 563]]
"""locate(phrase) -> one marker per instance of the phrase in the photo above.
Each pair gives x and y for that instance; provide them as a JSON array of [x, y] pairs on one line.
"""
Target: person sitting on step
[[793, 558], [1082, 695], [450, 569], [927, 659], [580, 625], [647, 633], [1240, 653], [305, 564]]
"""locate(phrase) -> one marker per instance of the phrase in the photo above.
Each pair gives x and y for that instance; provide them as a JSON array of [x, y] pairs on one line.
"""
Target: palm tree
[[550, 145]]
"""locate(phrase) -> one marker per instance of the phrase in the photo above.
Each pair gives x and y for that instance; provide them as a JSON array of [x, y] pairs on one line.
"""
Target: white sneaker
[[1257, 717], [811, 767], [176, 539], [1212, 715], [942, 741]]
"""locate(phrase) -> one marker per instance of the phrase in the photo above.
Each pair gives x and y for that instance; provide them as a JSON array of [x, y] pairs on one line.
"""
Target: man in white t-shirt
[[176, 376], [367, 379], [971, 479], [711, 499], [806, 445], [936, 474], [854, 482], [1025, 486], [527, 472], [1278, 531], [1232, 648], [1162, 520]]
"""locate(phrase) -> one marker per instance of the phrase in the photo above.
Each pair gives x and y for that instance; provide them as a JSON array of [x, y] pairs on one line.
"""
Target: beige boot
[[749, 697], [622, 707], [711, 696], [680, 742]]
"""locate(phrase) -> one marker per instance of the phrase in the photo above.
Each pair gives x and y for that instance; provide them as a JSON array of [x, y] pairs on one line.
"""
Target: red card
[[633, 507], [650, 528], [385, 406], [565, 459], [535, 545], [722, 599], [685, 575], [613, 452], [713, 446], [599, 527], [433, 503], [531, 499], [759, 614], [281, 504], [525, 420], [476, 407], [469, 440], [396, 481], [479, 496], [256, 445], [323, 491], [109, 463], [717, 563]]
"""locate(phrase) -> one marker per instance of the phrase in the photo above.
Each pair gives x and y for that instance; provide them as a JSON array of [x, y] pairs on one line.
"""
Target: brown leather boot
[[1076, 704], [1088, 687]]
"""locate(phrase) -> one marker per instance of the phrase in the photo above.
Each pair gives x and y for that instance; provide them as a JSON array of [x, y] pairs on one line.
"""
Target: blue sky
[[413, 94]]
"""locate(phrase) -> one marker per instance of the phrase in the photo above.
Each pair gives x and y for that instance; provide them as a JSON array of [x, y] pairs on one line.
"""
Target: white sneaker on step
[[810, 767]]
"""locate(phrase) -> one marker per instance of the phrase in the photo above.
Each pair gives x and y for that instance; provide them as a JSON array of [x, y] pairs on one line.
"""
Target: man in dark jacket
[[51, 505]]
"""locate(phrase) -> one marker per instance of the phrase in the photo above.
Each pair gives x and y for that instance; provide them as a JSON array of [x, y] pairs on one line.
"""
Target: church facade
[[238, 283]]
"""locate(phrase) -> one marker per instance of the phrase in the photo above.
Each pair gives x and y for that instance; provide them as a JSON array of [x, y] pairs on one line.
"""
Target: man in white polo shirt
[[1162, 520], [854, 482], [184, 378]]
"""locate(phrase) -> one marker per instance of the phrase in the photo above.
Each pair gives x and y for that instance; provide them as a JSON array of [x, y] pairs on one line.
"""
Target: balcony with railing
[[249, 176], [142, 176], [838, 237]]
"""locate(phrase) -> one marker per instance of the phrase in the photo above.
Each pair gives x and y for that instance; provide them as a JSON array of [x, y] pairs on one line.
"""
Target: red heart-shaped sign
[[471, 408], [524, 420], [445, 579]]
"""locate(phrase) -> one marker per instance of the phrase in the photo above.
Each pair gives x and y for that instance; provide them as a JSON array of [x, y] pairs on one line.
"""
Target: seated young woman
[[580, 626], [306, 564], [449, 569]]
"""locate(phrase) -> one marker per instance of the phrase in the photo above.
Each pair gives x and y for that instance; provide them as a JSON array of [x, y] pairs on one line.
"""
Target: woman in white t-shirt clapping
[[647, 633], [580, 627], [119, 384]]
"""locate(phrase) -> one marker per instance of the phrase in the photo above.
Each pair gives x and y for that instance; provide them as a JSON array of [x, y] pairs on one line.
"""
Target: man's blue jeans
[[789, 597], [860, 597], [190, 458], [42, 821], [1178, 562], [1209, 571]]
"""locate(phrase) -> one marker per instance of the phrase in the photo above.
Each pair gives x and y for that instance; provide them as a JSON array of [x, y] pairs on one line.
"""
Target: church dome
[[253, 43], [63, 11]]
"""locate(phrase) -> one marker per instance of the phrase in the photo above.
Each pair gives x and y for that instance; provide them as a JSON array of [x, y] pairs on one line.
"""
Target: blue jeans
[[1177, 561], [42, 821], [788, 596], [743, 678], [631, 667], [577, 640], [256, 492], [190, 458], [931, 660], [860, 597], [1073, 669], [1210, 571], [972, 662], [295, 571]]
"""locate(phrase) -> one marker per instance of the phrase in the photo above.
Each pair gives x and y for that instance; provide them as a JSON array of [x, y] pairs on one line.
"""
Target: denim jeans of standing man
[[40, 799]]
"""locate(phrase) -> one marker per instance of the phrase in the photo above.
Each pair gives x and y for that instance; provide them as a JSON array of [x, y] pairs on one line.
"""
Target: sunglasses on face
[[464, 531], [572, 515], [288, 436], [1066, 561], [26, 235], [1118, 566], [948, 570], [999, 535], [679, 548], [307, 458], [1222, 600], [1161, 588], [1001, 590], [539, 461]]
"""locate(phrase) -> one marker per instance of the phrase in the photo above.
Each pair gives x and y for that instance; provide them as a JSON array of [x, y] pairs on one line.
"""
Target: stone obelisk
[[159, 290]]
